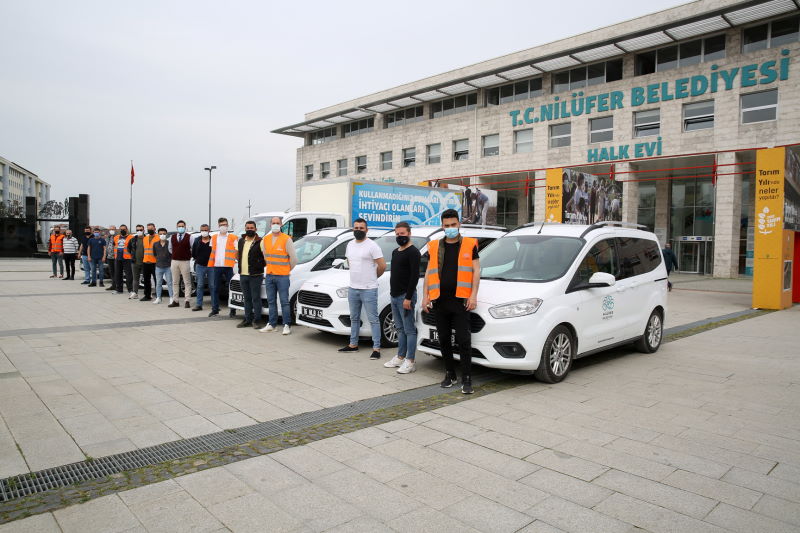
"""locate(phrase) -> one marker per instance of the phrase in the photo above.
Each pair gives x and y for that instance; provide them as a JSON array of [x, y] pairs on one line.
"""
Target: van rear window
[[637, 256]]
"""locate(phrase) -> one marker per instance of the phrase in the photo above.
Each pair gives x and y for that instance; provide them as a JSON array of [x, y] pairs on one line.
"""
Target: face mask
[[55, 232], [162, 236], [111, 232], [223, 229], [360, 235], [275, 228], [123, 232], [250, 232], [181, 229], [139, 233], [151, 232], [204, 234], [87, 233], [402, 240], [96, 233], [451, 233], [69, 234]]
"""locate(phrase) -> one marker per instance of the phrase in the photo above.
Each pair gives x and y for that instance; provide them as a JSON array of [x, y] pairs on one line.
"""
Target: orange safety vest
[[465, 270], [231, 251], [57, 243], [149, 254], [125, 253], [276, 256]]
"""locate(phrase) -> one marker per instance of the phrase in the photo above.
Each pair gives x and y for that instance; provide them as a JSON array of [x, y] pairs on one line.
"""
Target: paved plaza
[[703, 436]]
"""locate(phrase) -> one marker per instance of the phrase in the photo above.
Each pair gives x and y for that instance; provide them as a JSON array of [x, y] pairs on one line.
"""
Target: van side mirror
[[338, 263], [602, 279]]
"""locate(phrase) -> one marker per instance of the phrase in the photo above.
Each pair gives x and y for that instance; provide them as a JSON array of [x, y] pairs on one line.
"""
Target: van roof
[[583, 230]]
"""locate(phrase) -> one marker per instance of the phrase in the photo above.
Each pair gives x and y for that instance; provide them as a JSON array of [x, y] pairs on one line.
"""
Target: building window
[[461, 150], [698, 116], [402, 116], [409, 157], [491, 145], [386, 160], [601, 130], [680, 55], [323, 136], [434, 153], [759, 107], [523, 141], [647, 123], [341, 167], [361, 164], [324, 170], [520, 90], [587, 75], [560, 135], [358, 127], [309, 172], [771, 34], [450, 106]]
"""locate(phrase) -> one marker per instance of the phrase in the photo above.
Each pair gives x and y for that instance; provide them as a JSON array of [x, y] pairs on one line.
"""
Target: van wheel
[[557, 355], [388, 329], [653, 334]]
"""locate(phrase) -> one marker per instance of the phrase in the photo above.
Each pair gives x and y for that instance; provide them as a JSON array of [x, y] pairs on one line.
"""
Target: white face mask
[[275, 228], [139, 233], [162, 236], [223, 229], [111, 232], [204, 234]]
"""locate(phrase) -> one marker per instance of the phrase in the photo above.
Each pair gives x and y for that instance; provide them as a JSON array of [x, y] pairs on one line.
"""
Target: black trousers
[[251, 292], [69, 260], [123, 266], [111, 270], [149, 275], [451, 315]]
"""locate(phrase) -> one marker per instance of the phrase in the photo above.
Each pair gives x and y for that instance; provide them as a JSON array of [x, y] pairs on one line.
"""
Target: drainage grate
[[62, 476]]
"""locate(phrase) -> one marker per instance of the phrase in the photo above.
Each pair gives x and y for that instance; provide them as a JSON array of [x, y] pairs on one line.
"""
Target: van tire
[[653, 335], [384, 319], [557, 356]]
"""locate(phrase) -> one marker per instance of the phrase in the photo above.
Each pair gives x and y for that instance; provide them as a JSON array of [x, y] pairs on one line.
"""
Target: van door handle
[[622, 288]]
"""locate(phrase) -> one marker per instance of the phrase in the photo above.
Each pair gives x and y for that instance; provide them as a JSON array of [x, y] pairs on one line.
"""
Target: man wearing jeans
[[403, 292], [201, 251], [251, 276], [278, 250], [84, 253], [221, 262], [366, 263]]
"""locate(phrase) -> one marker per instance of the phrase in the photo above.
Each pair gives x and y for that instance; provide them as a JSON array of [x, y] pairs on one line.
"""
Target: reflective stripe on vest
[[231, 251], [464, 269], [276, 256], [149, 255], [57, 243], [125, 253]]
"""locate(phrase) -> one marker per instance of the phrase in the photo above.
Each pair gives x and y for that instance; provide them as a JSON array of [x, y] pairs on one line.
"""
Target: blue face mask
[[96, 234], [181, 229], [451, 233]]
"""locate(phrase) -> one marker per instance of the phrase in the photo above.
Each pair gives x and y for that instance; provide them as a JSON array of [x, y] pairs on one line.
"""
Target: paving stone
[[103, 515], [176, 512], [41, 523], [767, 484], [538, 526], [505, 444], [459, 412], [308, 462], [370, 437], [612, 427], [379, 467], [783, 510], [786, 471], [567, 487], [315, 507], [708, 451], [340, 448], [574, 518], [567, 464], [669, 457], [435, 492], [487, 515], [149, 493], [736, 519], [422, 435], [372, 497], [213, 486], [265, 474], [397, 425], [713, 488], [652, 517], [455, 428], [364, 524], [543, 438], [490, 460]]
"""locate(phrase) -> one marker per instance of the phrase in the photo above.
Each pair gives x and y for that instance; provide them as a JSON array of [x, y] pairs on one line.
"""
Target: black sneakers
[[466, 385], [450, 379], [244, 324], [375, 354], [349, 348]]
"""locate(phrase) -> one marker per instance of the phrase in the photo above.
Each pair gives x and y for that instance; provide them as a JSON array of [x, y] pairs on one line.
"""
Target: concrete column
[[539, 196], [727, 219], [522, 205], [662, 210], [630, 193]]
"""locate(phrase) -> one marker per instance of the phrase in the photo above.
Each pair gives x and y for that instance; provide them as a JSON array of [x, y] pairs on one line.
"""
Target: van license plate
[[434, 336], [237, 298], [310, 312]]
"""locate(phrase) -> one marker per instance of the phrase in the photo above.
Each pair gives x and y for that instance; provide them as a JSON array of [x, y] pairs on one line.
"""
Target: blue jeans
[[278, 286], [406, 328], [218, 277], [200, 273], [161, 274], [369, 299], [96, 271], [57, 258], [86, 267], [251, 297]]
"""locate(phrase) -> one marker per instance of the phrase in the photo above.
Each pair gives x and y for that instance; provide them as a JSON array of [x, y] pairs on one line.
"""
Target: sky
[[176, 86]]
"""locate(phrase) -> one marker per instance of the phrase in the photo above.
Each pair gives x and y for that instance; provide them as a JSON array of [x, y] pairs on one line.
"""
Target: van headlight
[[342, 292], [513, 309]]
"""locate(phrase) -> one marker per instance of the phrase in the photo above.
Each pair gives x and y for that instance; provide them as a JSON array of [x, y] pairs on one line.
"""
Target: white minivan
[[551, 293]]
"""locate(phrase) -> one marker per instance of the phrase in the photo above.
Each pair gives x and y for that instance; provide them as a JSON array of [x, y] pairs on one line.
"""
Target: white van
[[551, 293], [323, 301]]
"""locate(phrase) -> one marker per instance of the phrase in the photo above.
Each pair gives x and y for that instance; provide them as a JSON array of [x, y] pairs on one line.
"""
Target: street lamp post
[[212, 167]]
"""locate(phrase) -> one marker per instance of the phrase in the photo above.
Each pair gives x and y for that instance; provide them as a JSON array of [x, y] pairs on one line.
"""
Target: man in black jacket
[[671, 260], [251, 275]]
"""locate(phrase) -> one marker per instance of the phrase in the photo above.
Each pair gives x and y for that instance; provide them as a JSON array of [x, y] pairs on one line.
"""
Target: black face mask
[[360, 235], [123, 232], [87, 233], [151, 232], [402, 240], [55, 232], [250, 232]]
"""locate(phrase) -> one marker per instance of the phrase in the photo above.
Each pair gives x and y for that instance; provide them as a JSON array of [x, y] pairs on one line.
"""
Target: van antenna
[[540, 228]]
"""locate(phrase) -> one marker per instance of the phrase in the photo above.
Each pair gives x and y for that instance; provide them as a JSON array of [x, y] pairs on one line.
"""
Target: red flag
[[132, 173]]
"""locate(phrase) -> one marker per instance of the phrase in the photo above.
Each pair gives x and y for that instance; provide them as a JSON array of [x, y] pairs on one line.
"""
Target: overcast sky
[[86, 86]]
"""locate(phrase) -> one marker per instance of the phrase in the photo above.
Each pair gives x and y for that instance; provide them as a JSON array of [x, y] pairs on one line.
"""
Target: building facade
[[673, 105], [16, 182]]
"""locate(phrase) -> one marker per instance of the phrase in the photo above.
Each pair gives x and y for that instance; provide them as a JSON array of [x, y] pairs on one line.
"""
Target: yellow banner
[[768, 249], [554, 195]]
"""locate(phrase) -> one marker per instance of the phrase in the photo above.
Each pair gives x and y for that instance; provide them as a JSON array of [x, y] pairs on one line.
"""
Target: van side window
[[323, 223], [423, 264], [338, 252], [637, 256], [601, 257], [296, 228]]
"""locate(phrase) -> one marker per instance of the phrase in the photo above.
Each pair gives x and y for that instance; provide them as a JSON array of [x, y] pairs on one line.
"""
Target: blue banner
[[383, 206]]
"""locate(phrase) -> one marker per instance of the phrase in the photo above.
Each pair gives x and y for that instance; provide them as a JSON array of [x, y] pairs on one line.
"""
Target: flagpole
[[130, 206]]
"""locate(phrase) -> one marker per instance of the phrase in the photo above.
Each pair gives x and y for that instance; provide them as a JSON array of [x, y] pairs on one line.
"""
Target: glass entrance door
[[695, 257]]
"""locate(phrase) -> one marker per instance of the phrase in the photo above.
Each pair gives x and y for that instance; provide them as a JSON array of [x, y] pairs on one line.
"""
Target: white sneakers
[[287, 329], [157, 301], [394, 362], [134, 295], [267, 329], [130, 295], [171, 301], [407, 367]]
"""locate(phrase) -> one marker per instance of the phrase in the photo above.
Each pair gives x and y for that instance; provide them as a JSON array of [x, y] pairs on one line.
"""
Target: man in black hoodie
[[251, 275]]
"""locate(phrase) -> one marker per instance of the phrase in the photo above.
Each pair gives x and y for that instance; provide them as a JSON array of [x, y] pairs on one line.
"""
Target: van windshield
[[532, 258], [310, 246]]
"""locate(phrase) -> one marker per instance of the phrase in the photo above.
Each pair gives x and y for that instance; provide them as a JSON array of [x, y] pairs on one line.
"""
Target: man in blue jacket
[[96, 247]]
